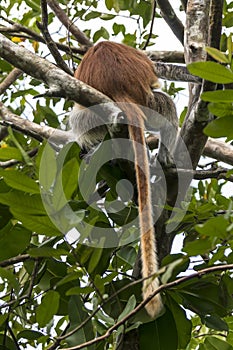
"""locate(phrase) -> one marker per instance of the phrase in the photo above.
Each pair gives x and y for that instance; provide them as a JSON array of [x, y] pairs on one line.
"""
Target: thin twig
[[14, 260], [151, 25], [13, 162], [10, 79], [17, 28], [49, 41]]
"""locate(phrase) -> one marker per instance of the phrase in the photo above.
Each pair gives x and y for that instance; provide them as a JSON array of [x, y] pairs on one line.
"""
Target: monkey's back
[[118, 71]]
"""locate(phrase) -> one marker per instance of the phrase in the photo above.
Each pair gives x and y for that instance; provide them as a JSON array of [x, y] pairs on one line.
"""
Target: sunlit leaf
[[211, 71], [48, 308]]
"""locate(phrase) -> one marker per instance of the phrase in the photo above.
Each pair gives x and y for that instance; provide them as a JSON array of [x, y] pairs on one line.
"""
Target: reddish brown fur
[[127, 75], [118, 71]]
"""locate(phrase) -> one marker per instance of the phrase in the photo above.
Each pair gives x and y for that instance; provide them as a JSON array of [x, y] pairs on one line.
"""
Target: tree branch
[[10, 79], [166, 286], [77, 33], [196, 38], [219, 150], [166, 56], [49, 41], [16, 29], [60, 84], [172, 20], [15, 260], [175, 73], [35, 130], [154, 4], [219, 173], [12, 162]]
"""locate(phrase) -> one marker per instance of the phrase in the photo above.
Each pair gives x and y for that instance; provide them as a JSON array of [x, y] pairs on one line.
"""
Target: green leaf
[[47, 252], [5, 66], [214, 227], [19, 181], [217, 55], [30, 211], [159, 334], [66, 183], [183, 324], [221, 109], [215, 322], [80, 290], [13, 240], [221, 127], [48, 168], [48, 114], [122, 5], [198, 247], [131, 303], [95, 258], [229, 48], [143, 9], [9, 344], [33, 4], [130, 39], [77, 315], [218, 96], [211, 71], [11, 278], [109, 4], [206, 297], [118, 28], [175, 264], [3, 318], [228, 20], [41, 224], [127, 254], [7, 153], [91, 15], [214, 343], [107, 16], [48, 308], [29, 334], [101, 33]]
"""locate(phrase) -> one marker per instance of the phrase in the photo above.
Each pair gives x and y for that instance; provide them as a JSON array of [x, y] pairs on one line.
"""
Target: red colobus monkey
[[127, 75]]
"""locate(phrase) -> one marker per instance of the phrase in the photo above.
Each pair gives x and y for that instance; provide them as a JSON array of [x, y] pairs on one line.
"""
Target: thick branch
[[60, 84], [172, 20], [175, 73], [219, 173], [219, 150], [215, 149], [166, 56], [35, 130], [199, 16]]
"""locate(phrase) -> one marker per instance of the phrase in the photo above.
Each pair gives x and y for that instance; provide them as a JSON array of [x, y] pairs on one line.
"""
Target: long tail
[[149, 258]]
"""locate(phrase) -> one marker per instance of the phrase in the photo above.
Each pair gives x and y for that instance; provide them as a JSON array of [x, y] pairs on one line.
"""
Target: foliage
[[54, 288], [220, 100]]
